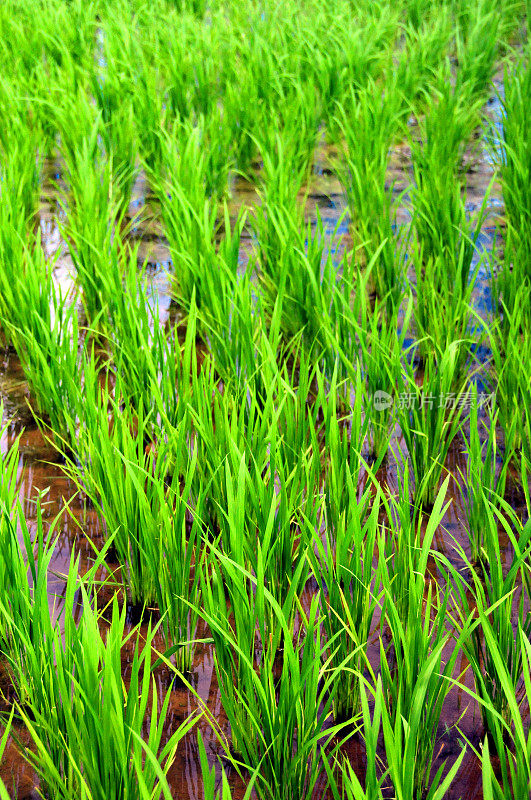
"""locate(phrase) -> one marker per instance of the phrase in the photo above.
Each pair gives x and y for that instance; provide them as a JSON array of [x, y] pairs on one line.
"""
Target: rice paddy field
[[265, 415]]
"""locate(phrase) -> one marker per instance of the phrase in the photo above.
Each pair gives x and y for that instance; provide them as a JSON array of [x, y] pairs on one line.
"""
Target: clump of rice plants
[[429, 415], [276, 692], [134, 483], [368, 133], [497, 670], [513, 154], [90, 735], [92, 219], [485, 484], [349, 586], [43, 327]]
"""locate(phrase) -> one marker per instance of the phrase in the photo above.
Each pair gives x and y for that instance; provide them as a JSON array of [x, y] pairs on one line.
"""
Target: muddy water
[[40, 473]]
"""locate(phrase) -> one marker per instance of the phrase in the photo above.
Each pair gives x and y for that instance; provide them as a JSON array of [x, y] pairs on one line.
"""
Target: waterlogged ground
[[40, 473]]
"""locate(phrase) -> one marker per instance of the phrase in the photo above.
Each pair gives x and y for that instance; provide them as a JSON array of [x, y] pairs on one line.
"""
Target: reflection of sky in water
[[494, 137]]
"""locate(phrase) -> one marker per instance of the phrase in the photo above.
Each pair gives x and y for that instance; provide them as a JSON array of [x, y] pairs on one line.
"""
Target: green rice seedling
[[291, 143], [476, 56], [399, 744], [513, 779], [349, 301], [4, 794], [351, 787], [496, 602], [43, 327], [276, 714], [344, 441], [429, 416], [92, 222], [300, 403], [484, 483], [190, 224], [513, 155], [148, 100], [343, 565], [349, 52], [120, 144], [153, 373], [91, 736], [444, 312], [297, 271], [117, 129], [510, 359], [134, 486], [369, 131], [210, 782], [418, 634], [20, 174], [447, 239], [245, 463], [380, 348], [26, 557], [426, 43]]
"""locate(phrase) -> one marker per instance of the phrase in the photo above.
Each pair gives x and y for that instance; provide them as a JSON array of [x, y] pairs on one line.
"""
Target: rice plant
[[416, 618], [92, 215], [509, 741], [276, 718], [511, 378], [496, 599], [429, 416], [398, 773], [43, 327], [86, 729], [369, 132], [513, 155], [342, 564], [133, 487], [485, 484]]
